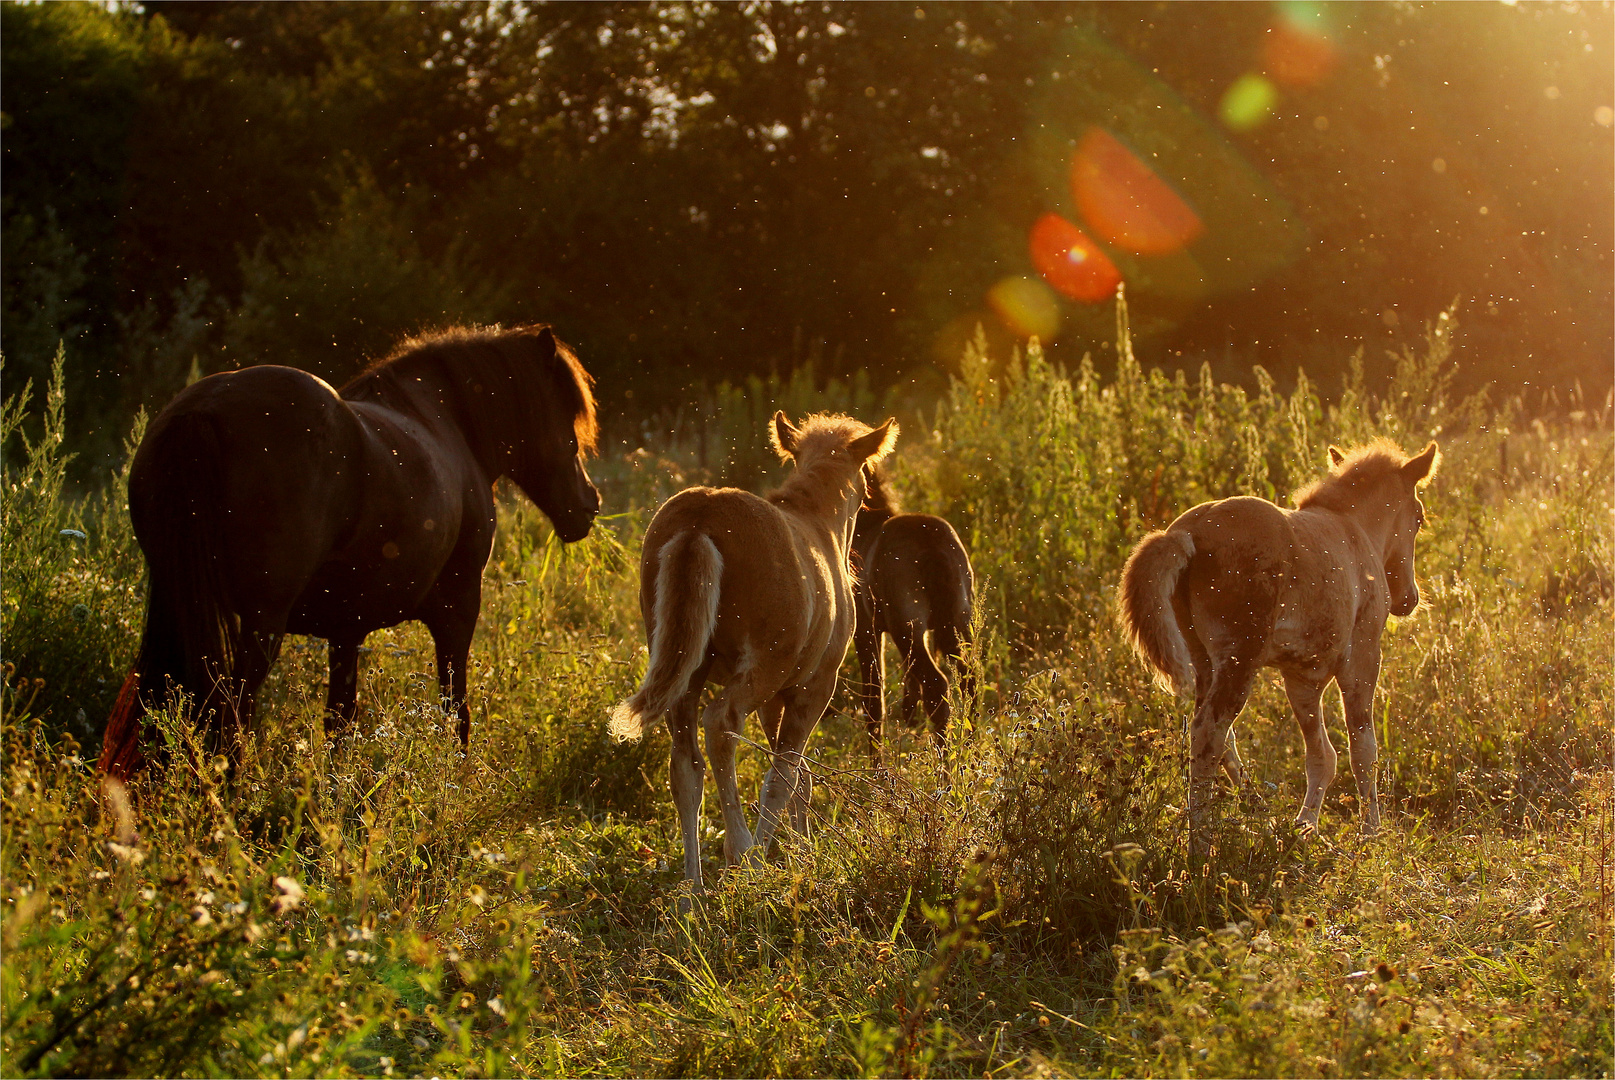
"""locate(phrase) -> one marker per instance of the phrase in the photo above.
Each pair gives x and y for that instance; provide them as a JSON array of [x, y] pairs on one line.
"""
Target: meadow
[[390, 906]]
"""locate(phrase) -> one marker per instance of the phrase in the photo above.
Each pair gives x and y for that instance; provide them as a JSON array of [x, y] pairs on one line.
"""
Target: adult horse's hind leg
[[1229, 688], [342, 695], [1306, 696], [258, 650], [451, 631]]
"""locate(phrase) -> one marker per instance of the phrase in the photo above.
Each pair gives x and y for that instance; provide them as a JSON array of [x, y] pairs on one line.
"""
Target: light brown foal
[[1237, 585], [752, 593]]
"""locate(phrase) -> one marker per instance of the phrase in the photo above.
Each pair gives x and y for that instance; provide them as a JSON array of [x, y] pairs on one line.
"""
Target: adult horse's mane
[[878, 494], [1361, 470], [456, 348]]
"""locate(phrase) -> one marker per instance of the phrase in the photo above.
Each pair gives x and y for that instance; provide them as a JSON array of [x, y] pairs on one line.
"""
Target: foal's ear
[[1335, 457], [782, 437], [1422, 468], [877, 444]]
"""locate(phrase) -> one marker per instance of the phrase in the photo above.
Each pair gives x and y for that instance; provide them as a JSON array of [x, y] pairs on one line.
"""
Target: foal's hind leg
[[723, 719], [872, 670], [922, 681], [1357, 683], [1229, 688], [687, 774], [1305, 696], [772, 714], [950, 641], [783, 785]]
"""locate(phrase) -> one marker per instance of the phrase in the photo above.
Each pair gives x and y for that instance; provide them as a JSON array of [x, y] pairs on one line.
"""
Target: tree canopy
[[695, 191]]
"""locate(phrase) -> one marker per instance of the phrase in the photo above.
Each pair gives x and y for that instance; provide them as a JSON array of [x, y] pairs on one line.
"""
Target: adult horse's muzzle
[[1403, 604], [576, 517]]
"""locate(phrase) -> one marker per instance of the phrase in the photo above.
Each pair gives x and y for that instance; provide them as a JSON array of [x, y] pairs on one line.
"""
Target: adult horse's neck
[[453, 390]]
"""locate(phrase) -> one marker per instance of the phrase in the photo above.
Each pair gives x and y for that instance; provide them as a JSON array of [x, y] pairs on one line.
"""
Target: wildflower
[[290, 898], [126, 853], [497, 1005], [201, 916]]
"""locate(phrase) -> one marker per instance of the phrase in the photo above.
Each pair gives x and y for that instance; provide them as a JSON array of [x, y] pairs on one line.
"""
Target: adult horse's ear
[[1423, 467], [1335, 457], [782, 436], [877, 444], [546, 344]]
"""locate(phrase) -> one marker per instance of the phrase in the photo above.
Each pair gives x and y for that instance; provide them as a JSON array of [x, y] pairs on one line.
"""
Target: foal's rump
[[1147, 606], [920, 573], [681, 608]]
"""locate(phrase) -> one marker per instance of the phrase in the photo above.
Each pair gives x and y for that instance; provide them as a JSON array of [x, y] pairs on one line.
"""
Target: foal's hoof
[[691, 898]]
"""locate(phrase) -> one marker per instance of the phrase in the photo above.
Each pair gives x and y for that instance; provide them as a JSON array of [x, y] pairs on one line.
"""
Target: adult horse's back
[[1237, 585], [267, 503]]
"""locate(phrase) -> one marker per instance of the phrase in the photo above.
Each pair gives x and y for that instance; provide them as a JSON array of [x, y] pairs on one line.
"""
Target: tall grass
[[387, 905]]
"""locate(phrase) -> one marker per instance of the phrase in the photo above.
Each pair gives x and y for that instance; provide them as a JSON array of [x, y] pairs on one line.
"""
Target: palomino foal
[[1234, 586], [752, 593]]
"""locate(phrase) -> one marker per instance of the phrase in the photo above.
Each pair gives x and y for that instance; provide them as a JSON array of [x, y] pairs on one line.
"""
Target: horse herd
[[268, 503]]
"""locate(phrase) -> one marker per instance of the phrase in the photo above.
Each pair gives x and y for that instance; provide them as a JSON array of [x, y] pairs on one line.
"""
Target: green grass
[[389, 906]]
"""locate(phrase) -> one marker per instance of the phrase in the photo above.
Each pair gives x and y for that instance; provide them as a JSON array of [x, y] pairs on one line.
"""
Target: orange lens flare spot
[[1125, 202], [1071, 262], [1297, 58], [1026, 306]]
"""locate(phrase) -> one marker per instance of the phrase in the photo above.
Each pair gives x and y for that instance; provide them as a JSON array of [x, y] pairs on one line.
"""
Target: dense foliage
[[388, 906], [713, 191]]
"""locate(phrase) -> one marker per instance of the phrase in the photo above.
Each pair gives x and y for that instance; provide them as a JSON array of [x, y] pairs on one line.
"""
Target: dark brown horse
[[913, 576], [1237, 585], [266, 503]]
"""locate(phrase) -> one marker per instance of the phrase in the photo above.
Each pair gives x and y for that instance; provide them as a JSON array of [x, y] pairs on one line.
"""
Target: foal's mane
[[457, 348], [811, 484], [1363, 468]]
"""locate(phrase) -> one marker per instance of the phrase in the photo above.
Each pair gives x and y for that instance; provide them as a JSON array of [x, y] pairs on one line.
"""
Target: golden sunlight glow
[[1026, 306], [1071, 262], [1125, 202]]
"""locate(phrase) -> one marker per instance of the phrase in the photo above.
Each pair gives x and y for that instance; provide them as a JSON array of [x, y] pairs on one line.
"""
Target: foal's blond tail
[[1145, 605], [688, 570]]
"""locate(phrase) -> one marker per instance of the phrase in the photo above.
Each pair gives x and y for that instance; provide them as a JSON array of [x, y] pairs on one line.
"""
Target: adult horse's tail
[[688, 571], [1148, 583], [191, 636]]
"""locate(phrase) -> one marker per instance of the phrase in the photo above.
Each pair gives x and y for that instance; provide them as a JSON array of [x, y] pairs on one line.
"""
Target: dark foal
[[267, 503], [913, 577]]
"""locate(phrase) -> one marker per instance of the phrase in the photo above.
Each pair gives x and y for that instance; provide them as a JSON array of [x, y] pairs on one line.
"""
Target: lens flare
[[1026, 306], [1125, 202], [1071, 262], [1297, 57], [1248, 102]]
